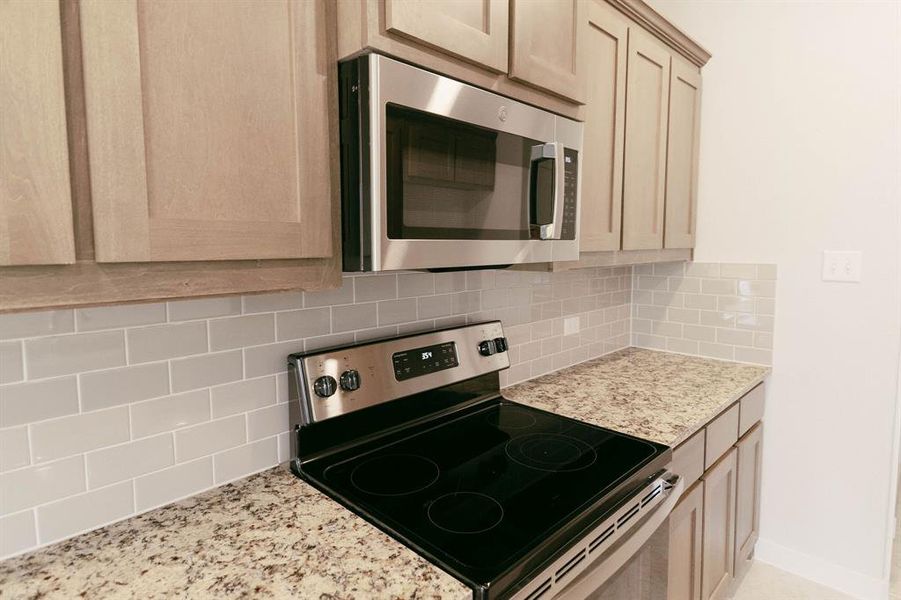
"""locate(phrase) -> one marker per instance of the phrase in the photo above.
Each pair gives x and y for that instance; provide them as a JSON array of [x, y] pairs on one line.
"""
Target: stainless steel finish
[[374, 363], [554, 150], [599, 554], [401, 84]]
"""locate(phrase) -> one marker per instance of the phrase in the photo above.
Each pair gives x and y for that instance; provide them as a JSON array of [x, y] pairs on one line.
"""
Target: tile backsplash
[[110, 411], [718, 310]]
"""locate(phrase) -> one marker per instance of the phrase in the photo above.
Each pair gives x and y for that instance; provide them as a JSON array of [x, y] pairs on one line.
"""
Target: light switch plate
[[842, 266], [570, 325]]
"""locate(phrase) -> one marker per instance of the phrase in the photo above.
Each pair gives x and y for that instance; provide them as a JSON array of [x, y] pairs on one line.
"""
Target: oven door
[[456, 176]]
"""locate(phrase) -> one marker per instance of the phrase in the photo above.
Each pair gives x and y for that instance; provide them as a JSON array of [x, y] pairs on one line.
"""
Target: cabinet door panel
[[686, 530], [208, 129], [719, 527], [644, 175], [544, 45], [35, 197], [602, 153], [474, 30], [682, 154], [747, 503]]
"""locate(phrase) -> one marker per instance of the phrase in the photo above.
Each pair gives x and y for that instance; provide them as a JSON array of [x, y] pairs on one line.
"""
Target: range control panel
[[336, 381]]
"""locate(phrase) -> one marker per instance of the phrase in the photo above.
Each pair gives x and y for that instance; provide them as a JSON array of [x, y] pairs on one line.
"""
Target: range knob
[[487, 348], [500, 344], [325, 386], [350, 380]]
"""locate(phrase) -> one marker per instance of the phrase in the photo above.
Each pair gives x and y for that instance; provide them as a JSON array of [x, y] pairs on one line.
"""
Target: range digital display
[[425, 360]]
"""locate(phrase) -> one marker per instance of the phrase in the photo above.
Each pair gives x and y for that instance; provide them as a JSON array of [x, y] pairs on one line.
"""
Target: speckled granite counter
[[267, 536], [655, 395], [273, 536]]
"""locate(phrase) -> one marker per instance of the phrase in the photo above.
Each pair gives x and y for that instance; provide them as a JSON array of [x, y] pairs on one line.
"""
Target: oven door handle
[[552, 150], [606, 565]]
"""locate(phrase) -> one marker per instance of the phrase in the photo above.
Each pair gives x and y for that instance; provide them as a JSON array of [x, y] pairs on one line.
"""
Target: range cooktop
[[490, 490]]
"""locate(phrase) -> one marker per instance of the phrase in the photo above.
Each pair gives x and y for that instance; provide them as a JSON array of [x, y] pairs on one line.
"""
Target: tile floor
[[765, 582]]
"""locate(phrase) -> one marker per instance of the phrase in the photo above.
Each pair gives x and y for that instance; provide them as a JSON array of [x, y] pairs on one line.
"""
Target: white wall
[[800, 153]]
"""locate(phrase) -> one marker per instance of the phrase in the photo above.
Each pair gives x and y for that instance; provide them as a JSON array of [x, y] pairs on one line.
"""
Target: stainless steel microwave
[[439, 174]]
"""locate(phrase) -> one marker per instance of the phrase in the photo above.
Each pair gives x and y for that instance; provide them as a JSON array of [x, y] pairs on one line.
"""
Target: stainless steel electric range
[[413, 434]]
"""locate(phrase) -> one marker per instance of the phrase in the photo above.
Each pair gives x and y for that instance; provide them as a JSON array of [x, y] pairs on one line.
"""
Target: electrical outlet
[[842, 266], [570, 325]]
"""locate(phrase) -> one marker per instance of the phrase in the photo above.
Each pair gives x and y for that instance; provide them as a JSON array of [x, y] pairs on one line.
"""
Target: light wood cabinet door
[[644, 169], [209, 128], [544, 45], [747, 503], [682, 154], [604, 52], [35, 197], [685, 537], [474, 30], [719, 527]]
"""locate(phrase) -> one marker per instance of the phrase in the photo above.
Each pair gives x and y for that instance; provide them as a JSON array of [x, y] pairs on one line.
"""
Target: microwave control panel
[[570, 193]]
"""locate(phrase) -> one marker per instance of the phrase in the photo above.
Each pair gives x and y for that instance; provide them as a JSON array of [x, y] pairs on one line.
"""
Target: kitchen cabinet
[[685, 537], [206, 131], [719, 527], [605, 40], [202, 150], [544, 45], [682, 154], [474, 30], [747, 504], [35, 203], [644, 170]]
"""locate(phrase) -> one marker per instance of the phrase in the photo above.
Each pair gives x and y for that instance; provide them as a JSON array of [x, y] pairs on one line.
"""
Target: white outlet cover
[[842, 265], [570, 325]]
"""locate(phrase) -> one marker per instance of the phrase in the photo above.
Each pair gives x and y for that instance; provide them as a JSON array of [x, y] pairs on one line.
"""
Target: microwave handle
[[552, 150]]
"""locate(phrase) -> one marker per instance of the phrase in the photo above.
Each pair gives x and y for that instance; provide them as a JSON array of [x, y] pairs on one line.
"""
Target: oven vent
[[601, 538], [540, 590], [652, 495], [570, 564], [573, 563]]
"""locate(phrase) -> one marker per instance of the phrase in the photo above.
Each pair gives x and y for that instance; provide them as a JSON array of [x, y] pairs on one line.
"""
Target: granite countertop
[[655, 395], [273, 536]]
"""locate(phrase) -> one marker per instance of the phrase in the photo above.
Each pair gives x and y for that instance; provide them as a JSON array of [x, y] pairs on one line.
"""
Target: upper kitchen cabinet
[[682, 154], [35, 199], [604, 41], [544, 45], [474, 30], [207, 128], [644, 173]]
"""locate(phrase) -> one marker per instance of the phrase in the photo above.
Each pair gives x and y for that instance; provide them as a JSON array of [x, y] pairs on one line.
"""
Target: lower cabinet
[[747, 503], [719, 527], [685, 547]]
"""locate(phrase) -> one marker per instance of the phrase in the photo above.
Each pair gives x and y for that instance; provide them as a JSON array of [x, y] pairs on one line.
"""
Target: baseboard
[[817, 570]]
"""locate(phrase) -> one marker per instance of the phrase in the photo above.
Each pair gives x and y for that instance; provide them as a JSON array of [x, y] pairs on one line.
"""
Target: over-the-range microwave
[[439, 174]]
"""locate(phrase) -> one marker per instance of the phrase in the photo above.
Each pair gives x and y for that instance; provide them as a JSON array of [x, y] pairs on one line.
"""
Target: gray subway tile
[[173, 483], [31, 324], [267, 422], [171, 412], [103, 389], [353, 317], [298, 324], [341, 295], [17, 533], [14, 452], [206, 370], [204, 308], [754, 355], [35, 485], [127, 461], [270, 358], [391, 312], [370, 288], [79, 433], [738, 271], [415, 284], [242, 396], [27, 402], [11, 366], [65, 354], [122, 315], [259, 303], [160, 342], [238, 332], [451, 281], [209, 438], [244, 460], [86, 511], [434, 306]]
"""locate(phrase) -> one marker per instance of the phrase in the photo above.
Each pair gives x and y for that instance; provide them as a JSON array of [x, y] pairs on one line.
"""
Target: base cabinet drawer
[[718, 554], [722, 433], [747, 504], [685, 538]]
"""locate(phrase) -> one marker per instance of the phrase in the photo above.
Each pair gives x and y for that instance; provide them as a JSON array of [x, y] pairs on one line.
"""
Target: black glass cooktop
[[478, 491]]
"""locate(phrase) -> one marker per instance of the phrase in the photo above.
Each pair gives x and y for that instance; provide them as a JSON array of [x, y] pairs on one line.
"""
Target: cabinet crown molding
[[650, 19]]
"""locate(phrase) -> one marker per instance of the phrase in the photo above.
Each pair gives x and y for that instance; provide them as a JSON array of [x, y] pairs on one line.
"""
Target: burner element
[[510, 418], [465, 512], [394, 474], [551, 452]]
